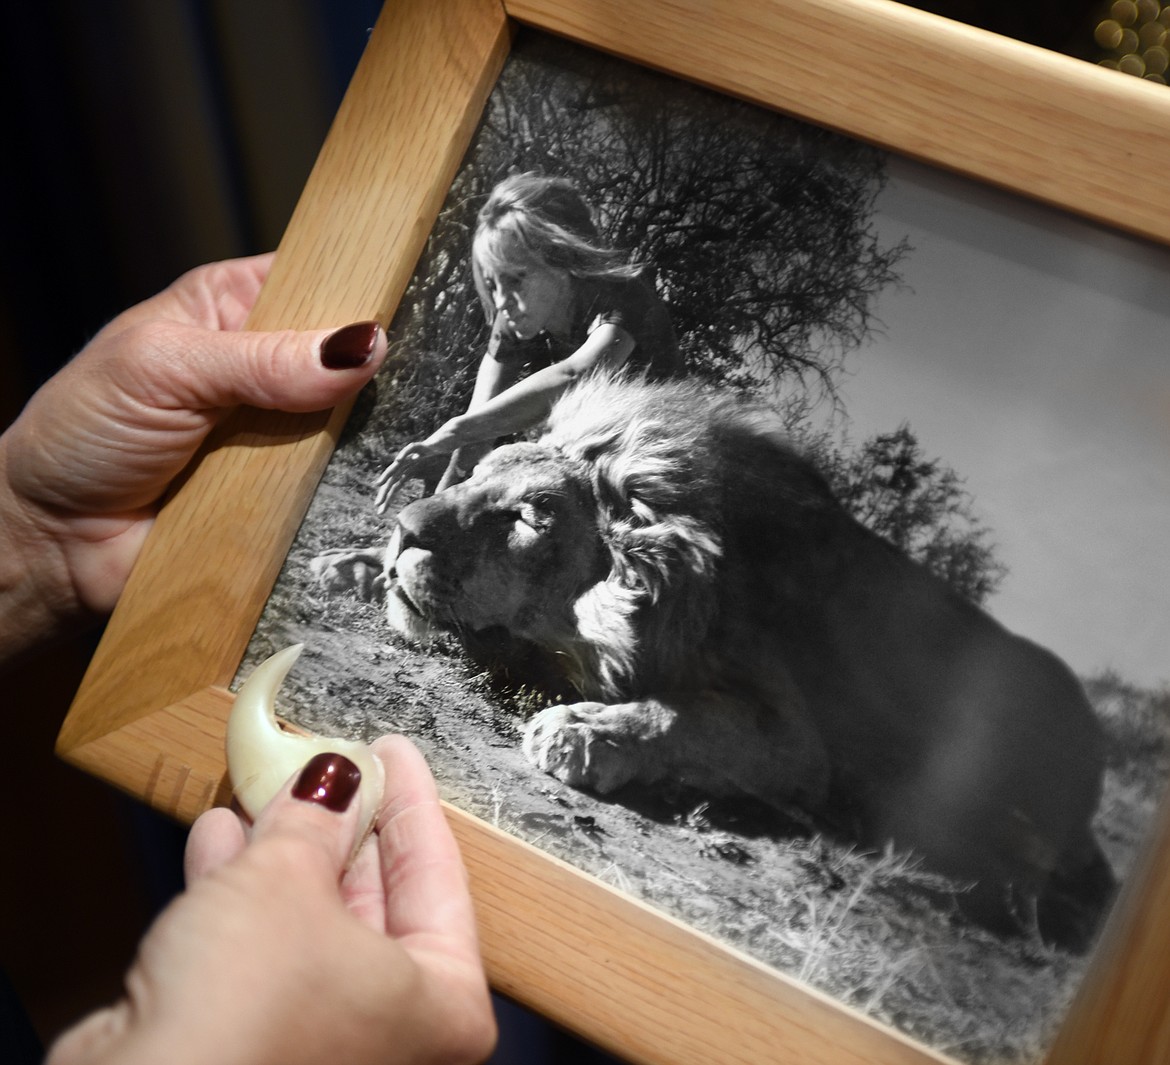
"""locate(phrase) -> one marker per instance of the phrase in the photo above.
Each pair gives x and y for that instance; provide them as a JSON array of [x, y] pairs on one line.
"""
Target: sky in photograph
[[1029, 351]]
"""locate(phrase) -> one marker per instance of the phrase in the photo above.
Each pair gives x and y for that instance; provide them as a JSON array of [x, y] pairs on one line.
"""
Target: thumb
[[199, 369], [216, 837], [317, 809]]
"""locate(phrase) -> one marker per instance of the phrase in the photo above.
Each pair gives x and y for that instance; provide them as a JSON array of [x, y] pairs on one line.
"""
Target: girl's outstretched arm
[[518, 407], [493, 377]]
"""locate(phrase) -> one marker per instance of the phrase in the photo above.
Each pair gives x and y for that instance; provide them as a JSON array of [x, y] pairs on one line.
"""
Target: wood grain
[[171, 758], [1121, 1014], [150, 715], [1058, 129], [643, 985], [350, 249]]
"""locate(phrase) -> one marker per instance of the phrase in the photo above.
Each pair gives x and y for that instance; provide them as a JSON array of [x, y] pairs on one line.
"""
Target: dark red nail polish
[[350, 347], [329, 779]]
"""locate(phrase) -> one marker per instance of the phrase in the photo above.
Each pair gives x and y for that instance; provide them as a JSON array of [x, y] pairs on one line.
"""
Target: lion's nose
[[409, 529], [418, 523]]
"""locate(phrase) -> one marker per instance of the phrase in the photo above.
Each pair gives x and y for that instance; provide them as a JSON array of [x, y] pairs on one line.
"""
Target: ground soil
[[874, 931]]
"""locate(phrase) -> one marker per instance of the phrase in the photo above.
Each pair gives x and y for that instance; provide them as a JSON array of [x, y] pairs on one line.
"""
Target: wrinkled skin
[[737, 631]]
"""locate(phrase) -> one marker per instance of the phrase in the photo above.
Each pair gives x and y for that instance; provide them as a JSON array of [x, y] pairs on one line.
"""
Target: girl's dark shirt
[[630, 303]]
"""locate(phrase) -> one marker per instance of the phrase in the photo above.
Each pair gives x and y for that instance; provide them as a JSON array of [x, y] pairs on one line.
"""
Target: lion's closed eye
[[520, 522], [534, 517], [538, 512]]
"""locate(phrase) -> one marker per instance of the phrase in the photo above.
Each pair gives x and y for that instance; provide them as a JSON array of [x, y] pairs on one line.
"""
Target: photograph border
[[151, 712]]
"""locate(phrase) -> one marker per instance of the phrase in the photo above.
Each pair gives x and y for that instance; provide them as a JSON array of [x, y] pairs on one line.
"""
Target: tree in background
[[756, 229], [920, 506], [758, 232]]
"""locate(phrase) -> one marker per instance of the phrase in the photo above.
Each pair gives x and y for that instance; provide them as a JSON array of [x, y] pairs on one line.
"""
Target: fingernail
[[349, 347], [329, 779]]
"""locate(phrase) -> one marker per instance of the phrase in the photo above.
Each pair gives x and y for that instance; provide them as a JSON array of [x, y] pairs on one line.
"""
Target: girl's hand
[[277, 953], [414, 460]]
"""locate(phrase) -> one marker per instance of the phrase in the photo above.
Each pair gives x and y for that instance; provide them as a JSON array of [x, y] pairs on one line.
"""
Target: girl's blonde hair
[[550, 221]]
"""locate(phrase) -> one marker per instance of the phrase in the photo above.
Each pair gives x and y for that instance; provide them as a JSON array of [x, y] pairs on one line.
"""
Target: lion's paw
[[349, 570], [571, 744]]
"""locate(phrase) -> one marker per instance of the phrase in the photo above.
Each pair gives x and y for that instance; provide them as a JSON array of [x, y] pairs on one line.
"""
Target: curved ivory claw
[[261, 756]]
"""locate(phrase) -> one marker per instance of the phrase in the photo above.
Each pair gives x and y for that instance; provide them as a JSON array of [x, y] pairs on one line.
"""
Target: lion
[[727, 625]]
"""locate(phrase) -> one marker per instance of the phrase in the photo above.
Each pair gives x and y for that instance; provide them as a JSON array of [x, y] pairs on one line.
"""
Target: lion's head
[[511, 548], [600, 542]]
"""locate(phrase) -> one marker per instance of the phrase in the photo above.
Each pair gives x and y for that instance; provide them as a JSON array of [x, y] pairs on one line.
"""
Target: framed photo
[[691, 941]]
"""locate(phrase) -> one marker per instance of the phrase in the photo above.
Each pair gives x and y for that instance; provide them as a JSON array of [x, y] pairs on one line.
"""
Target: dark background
[[143, 137]]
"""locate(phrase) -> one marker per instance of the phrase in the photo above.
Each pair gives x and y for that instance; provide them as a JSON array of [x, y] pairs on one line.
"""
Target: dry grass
[[874, 931]]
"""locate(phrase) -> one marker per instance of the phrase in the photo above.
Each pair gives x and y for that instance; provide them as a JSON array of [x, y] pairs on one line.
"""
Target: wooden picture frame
[[151, 712]]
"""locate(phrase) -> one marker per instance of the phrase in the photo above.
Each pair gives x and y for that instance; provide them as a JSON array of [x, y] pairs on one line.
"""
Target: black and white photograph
[[772, 528]]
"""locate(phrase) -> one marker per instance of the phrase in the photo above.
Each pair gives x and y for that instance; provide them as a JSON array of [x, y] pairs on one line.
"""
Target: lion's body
[[730, 626]]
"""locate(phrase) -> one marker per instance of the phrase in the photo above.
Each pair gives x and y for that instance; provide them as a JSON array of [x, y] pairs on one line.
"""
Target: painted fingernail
[[349, 347], [329, 779]]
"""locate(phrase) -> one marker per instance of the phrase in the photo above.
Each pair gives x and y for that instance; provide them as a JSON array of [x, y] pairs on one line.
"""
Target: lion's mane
[[659, 458]]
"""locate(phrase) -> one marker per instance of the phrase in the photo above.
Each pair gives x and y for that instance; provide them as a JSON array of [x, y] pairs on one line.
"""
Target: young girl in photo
[[561, 304]]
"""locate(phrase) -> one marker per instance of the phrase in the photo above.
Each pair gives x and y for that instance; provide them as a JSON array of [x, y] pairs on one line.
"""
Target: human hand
[[463, 463], [84, 466], [414, 460], [278, 954]]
